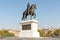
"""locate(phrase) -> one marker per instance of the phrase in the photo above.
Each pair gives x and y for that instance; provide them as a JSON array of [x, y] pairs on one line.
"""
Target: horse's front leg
[[34, 16], [30, 17]]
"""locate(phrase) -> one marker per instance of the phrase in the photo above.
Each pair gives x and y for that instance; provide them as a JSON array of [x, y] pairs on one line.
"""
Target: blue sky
[[48, 13]]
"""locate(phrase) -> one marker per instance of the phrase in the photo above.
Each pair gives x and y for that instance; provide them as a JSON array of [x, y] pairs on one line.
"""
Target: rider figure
[[28, 8]]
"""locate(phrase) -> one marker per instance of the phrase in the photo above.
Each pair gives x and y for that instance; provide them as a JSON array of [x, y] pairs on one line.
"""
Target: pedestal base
[[29, 34], [29, 28]]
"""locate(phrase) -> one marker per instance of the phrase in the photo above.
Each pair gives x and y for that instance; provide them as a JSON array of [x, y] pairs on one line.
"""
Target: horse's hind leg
[[26, 17], [23, 18]]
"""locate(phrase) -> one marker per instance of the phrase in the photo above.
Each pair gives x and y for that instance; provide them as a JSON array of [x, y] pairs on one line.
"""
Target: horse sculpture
[[29, 11]]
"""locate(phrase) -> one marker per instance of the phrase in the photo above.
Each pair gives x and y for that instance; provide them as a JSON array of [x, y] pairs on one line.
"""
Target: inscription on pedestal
[[26, 27]]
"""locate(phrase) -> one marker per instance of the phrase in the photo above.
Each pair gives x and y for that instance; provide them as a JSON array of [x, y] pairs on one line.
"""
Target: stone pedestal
[[29, 28]]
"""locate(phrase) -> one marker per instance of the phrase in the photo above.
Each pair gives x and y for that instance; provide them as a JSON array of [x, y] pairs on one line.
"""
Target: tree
[[42, 33], [1, 33], [57, 32], [5, 33], [10, 35], [49, 33]]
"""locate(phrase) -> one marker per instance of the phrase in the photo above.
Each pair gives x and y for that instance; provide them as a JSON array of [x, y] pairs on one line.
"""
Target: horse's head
[[33, 6]]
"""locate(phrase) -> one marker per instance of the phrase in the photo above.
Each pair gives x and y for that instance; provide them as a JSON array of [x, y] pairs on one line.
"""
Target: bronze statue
[[28, 8], [29, 11]]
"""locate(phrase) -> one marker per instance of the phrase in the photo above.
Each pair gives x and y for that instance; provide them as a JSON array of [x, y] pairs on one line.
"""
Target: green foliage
[[57, 32], [49, 33], [41, 32], [1, 32], [10, 35], [5, 33]]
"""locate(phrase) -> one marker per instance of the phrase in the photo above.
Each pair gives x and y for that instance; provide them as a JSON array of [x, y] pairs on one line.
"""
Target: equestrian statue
[[29, 11]]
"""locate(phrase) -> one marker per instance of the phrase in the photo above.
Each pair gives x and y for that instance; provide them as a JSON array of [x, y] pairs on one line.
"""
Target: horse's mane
[[31, 6]]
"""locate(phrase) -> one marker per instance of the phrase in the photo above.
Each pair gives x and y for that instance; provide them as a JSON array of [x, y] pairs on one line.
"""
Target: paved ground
[[15, 38]]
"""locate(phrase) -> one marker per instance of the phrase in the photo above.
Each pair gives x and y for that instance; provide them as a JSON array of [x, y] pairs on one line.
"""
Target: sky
[[11, 11]]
